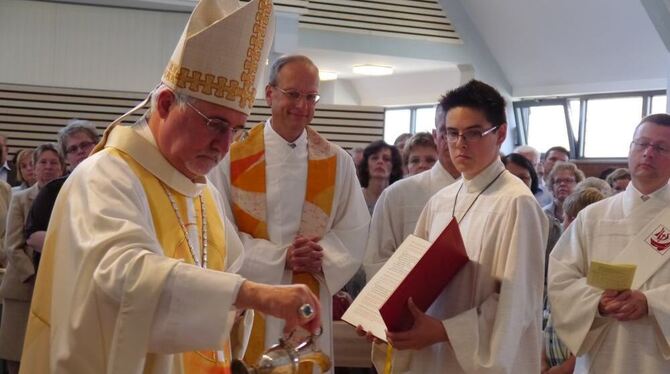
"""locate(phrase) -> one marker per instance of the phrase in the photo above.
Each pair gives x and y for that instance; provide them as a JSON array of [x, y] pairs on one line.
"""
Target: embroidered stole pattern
[[175, 245], [248, 183]]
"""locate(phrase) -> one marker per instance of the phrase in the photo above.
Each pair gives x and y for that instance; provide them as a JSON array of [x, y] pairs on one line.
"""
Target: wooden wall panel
[[30, 115]]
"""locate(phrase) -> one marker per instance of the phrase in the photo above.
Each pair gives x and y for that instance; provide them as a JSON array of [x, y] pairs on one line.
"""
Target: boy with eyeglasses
[[620, 331], [488, 318]]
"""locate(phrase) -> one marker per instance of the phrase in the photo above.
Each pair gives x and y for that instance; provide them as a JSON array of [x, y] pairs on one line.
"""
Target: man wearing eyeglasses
[[620, 330], [488, 318], [76, 140], [295, 199], [137, 273]]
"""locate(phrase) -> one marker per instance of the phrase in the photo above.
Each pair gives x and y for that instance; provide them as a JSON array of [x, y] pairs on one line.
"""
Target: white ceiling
[[571, 45], [331, 60], [544, 47], [342, 62]]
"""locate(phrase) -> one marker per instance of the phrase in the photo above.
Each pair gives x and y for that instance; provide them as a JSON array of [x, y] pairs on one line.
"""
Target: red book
[[441, 262], [418, 269]]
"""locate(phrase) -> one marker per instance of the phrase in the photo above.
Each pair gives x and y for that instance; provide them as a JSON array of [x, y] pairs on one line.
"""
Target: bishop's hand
[[286, 302]]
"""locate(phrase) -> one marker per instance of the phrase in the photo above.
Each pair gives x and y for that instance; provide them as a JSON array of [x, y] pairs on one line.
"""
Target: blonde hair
[[596, 183], [420, 139], [17, 162], [621, 173], [580, 199]]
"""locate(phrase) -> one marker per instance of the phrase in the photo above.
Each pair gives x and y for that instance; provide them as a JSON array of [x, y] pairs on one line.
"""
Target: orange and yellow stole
[[174, 243], [248, 183]]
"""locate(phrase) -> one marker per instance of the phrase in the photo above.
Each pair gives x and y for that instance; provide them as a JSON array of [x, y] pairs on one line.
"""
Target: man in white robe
[[620, 331], [400, 204], [488, 318], [288, 234], [132, 278]]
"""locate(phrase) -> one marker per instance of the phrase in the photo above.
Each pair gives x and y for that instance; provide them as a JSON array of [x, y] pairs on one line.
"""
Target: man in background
[[295, 199], [76, 140], [620, 331], [400, 205], [533, 155], [7, 168]]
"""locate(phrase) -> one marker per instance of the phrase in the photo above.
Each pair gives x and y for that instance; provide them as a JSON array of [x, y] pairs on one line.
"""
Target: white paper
[[364, 310]]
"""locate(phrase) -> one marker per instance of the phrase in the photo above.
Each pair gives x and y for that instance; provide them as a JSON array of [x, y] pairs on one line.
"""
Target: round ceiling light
[[373, 69]]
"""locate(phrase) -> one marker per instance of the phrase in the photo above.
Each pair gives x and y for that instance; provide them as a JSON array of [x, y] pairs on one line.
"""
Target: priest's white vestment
[[600, 233], [492, 309], [118, 304], [397, 212], [346, 232]]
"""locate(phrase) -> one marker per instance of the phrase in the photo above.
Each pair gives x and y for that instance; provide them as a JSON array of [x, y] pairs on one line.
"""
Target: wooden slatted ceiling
[[415, 19], [31, 115]]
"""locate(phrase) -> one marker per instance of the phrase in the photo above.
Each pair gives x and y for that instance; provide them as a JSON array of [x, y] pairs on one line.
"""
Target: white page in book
[[364, 310]]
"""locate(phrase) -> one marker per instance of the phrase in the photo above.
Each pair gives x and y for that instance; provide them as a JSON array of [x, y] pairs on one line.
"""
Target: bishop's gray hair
[[180, 98]]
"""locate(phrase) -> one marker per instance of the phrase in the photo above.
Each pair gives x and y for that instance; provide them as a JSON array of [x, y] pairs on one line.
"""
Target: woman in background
[[521, 168], [618, 180], [420, 153], [17, 286], [380, 167], [556, 357], [24, 169]]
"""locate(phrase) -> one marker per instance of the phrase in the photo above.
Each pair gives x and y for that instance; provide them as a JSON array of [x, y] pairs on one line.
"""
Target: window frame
[[577, 144], [412, 115]]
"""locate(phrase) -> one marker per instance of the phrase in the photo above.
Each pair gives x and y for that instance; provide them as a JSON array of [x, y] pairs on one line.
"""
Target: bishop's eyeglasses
[[218, 125]]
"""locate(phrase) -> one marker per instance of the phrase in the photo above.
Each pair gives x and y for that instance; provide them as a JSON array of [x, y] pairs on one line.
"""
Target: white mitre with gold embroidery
[[219, 57], [222, 52]]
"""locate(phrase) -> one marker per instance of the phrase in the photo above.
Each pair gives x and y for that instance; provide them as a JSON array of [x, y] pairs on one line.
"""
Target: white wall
[[406, 89], [79, 46], [340, 91]]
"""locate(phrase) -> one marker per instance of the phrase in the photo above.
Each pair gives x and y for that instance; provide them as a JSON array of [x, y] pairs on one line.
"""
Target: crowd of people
[[183, 241]]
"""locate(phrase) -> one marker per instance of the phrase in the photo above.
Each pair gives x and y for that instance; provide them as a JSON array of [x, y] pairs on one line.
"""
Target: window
[[408, 120], [659, 104], [425, 120], [574, 109], [591, 126], [609, 126], [396, 122], [546, 127]]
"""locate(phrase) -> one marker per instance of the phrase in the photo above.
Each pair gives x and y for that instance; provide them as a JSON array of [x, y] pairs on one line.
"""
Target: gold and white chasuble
[[278, 191], [602, 232], [117, 290]]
